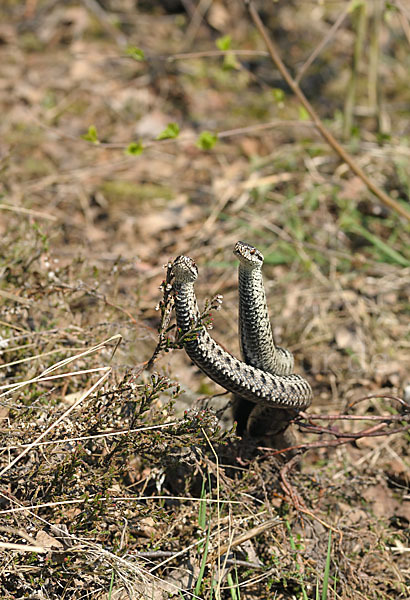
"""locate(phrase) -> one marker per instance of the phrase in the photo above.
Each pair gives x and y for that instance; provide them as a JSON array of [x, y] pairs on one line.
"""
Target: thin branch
[[22, 547], [341, 438], [214, 53], [404, 18], [248, 535], [322, 44], [360, 25], [165, 306], [378, 429]]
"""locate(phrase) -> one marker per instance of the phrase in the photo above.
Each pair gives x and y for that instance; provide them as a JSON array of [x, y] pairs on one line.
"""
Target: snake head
[[248, 255], [184, 269]]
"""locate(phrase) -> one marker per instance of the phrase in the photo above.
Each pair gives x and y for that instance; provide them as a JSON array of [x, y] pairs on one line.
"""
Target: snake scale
[[264, 379]]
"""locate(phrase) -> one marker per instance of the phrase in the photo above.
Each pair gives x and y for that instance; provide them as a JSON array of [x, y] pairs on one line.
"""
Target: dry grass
[[109, 489]]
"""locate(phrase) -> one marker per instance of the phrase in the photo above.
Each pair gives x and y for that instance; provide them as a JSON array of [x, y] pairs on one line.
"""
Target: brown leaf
[[45, 540], [381, 500]]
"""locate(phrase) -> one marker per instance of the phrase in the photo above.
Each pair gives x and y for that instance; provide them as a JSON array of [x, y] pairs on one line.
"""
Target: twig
[[360, 23], [404, 19], [297, 501], [345, 156], [22, 547], [322, 44], [214, 53], [165, 306], [342, 438], [248, 535], [166, 553], [285, 484], [404, 404], [18, 532], [99, 13], [28, 211], [375, 41], [196, 20], [376, 430], [14, 298]]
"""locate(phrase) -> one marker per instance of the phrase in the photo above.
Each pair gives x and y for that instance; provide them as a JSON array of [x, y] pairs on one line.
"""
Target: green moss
[[119, 189], [29, 42], [25, 134], [38, 167]]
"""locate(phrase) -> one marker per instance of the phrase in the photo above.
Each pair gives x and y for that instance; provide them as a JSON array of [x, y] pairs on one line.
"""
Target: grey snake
[[263, 378], [258, 348]]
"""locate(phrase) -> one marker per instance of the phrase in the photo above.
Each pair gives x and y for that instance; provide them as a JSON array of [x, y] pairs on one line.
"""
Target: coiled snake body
[[258, 386]]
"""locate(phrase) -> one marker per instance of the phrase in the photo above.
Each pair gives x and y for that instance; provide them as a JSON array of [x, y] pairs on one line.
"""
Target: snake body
[[256, 341], [258, 349], [253, 384]]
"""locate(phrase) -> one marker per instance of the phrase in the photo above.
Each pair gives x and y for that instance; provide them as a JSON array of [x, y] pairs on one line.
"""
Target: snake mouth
[[248, 254]]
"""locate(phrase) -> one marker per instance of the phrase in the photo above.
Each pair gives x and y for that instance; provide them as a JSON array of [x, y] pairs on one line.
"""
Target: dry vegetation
[[119, 482]]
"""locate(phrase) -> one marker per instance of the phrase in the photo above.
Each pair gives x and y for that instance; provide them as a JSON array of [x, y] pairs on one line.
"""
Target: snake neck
[[186, 306], [256, 339], [255, 333]]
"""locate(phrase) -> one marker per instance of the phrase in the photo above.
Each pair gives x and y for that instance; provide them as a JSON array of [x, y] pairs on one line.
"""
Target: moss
[[38, 167], [120, 190]]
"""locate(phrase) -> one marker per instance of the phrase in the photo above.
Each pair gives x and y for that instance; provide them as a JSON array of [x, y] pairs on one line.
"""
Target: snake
[[258, 348], [256, 341], [288, 391]]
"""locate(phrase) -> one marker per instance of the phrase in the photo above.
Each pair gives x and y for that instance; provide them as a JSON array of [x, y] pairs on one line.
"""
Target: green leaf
[[355, 4], [224, 43], [383, 137], [134, 148], [135, 53], [278, 94], [203, 562], [230, 62], [390, 7], [348, 224], [327, 567], [91, 135], [303, 114], [43, 237], [202, 507], [171, 131], [233, 587], [207, 140]]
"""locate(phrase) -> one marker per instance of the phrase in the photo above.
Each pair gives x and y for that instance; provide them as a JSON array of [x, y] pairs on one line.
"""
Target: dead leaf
[[45, 540], [381, 500], [350, 340], [182, 578], [218, 16], [352, 189], [146, 528], [151, 124]]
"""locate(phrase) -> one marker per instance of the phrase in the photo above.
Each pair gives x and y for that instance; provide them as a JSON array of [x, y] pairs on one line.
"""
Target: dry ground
[[101, 468]]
